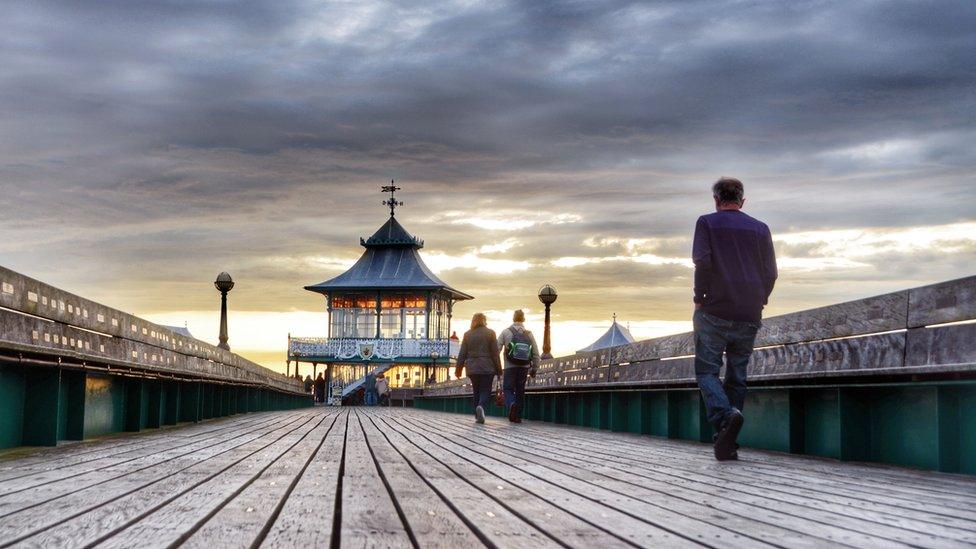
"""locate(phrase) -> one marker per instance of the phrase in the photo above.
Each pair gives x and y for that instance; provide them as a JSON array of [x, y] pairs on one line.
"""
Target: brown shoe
[[513, 415]]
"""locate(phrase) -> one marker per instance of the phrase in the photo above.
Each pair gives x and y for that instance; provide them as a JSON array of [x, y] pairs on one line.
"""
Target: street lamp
[[547, 295], [224, 284]]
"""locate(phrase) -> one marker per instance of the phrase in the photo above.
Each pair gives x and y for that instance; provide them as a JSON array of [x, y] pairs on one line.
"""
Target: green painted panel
[[855, 424], [11, 406], [618, 411], [156, 403], [821, 422], [767, 424], [104, 405], [72, 405], [560, 410], [191, 395], [657, 411], [686, 415], [966, 446], [42, 401], [173, 404], [904, 426], [637, 413]]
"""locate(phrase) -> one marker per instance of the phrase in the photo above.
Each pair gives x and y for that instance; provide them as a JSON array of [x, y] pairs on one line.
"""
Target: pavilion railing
[[303, 348]]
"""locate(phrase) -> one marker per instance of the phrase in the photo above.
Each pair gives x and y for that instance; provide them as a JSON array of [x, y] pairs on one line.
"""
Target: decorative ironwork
[[392, 202], [372, 348]]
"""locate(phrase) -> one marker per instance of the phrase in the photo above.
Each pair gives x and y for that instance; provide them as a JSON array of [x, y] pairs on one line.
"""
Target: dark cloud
[[147, 146]]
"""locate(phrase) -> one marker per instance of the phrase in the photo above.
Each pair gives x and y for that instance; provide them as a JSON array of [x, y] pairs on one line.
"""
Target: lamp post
[[224, 284], [547, 295]]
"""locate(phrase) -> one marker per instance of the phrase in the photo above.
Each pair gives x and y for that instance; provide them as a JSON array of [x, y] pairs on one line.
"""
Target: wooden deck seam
[[582, 495], [657, 470], [156, 439], [188, 533], [389, 489], [105, 537], [5, 493], [824, 521], [703, 456], [291, 487], [63, 519], [807, 518], [336, 539]]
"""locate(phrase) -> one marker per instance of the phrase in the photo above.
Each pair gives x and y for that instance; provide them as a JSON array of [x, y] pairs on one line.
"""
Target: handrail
[[41, 318]]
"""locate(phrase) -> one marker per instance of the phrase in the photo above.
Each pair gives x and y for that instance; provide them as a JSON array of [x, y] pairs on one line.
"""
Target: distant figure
[[382, 391], [309, 385], [370, 397], [521, 353], [735, 269], [320, 388], [479, 355]]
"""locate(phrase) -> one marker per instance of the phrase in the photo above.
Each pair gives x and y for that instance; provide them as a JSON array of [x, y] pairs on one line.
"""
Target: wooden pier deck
[[356, 477]]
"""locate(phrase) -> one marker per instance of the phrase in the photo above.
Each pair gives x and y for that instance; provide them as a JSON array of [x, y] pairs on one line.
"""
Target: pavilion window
[[391, 323], [415, 323]]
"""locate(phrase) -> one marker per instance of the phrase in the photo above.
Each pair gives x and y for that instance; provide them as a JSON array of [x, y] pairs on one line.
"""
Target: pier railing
[[71, 368], [849, 381], [37, 318], [371, 349]]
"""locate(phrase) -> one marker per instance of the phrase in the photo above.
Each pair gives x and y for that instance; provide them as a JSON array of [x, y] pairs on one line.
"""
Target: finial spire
[[392, 202], [614, 318]]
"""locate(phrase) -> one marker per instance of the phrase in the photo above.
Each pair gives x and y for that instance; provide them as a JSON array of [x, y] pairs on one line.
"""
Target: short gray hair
[[728, 190]]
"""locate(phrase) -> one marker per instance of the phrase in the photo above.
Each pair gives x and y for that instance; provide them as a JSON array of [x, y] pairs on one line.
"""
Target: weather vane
[[392, 202]]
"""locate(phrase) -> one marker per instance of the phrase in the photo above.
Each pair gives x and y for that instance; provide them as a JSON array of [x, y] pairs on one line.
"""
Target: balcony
[[323, 349]]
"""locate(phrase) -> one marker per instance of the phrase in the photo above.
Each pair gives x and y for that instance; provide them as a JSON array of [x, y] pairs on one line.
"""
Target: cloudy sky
[[146, 147]]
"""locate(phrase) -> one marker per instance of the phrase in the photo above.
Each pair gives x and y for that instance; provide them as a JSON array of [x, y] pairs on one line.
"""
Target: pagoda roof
[[391, 262], [392, 234], [615, 336]]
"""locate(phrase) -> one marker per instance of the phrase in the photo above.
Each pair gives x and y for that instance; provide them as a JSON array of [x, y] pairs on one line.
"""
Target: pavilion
[[389, 313], [614, 336]]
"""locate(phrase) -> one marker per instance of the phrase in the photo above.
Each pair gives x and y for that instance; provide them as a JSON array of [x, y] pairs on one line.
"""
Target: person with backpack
[[479, 355], [521, 354]]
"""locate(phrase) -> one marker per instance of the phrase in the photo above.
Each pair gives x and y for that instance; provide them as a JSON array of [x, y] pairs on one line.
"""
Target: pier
[[382, 477]]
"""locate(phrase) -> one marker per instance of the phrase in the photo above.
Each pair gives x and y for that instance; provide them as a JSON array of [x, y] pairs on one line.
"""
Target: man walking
[[735, 269], [521, 354]]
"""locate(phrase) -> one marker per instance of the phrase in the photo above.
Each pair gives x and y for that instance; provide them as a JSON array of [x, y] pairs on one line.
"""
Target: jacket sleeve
[[769, 271], [701, 255], [463, 352], [502, 341], [495, 353], [535, 352]]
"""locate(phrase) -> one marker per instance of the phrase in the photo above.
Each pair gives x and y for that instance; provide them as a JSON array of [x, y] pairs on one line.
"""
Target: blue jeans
[[371, 397], [481, 384], [513, 383], [713, 337]]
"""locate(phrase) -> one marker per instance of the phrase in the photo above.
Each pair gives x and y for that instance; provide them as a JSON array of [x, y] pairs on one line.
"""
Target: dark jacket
[[479, 352], [735, 267]]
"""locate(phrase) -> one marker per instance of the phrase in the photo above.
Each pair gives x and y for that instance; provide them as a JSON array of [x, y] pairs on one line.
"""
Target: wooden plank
[[867, 487], [431, 520], [240, 523], [55, 471], [727, 484], [369, 515], [87, 514], [85, 451], [508, 517], [306, 519], [951, 301], [696, 521], [173, 517]]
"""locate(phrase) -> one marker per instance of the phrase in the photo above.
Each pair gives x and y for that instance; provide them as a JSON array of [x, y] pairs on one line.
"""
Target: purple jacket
[[735, 266]]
